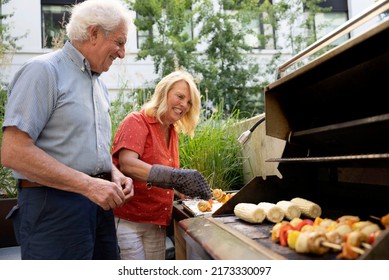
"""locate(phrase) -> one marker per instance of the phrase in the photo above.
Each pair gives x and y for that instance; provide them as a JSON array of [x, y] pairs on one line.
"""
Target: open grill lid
[[337, 104]]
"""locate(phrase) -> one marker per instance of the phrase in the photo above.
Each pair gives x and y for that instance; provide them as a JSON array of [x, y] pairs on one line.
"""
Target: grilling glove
[[187, 181]]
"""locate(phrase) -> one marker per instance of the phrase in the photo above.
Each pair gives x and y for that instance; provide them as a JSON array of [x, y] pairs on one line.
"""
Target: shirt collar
[[150, 120], [77, 57]]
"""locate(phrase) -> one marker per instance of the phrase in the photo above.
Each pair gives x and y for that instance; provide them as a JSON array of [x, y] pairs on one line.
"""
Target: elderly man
[[56, 139]]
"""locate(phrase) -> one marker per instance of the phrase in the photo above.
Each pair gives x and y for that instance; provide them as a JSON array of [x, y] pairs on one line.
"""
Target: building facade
[[36, 20]]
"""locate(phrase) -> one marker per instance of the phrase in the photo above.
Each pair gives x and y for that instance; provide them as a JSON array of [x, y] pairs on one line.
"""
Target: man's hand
[[124, 182]]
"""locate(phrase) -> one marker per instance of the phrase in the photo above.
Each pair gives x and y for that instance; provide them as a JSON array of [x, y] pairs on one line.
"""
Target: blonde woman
[[145, 148]]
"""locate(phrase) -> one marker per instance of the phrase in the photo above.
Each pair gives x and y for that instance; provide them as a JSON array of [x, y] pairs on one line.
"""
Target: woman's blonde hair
[[157, 106]]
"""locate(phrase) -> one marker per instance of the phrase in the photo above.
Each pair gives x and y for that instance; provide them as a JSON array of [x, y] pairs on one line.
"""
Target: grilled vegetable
[[343, 230], [275, 232], [301, 245], [356, 238], [316, 243], [249, 212], [273, 213], [348, 219], [367, 230], [295, 221], [220, 195], [385, 220], [204, 206], [291, 210], [307, 207], [284, 231], [292, 238], [304, 223]]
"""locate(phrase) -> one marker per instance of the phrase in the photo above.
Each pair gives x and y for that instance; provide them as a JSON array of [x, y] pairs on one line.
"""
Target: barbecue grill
[[333, 114]]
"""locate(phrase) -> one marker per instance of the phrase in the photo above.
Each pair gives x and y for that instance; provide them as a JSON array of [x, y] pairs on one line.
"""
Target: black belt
[[105, 175], [22, 183]]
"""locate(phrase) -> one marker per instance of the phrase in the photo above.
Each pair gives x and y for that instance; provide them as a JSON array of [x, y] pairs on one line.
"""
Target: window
[[55, 14], [261, 36], [260, 33], [142, 35], [326, 22]]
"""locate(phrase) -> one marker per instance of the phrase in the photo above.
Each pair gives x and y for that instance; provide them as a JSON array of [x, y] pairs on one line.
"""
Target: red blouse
[[143, 135]]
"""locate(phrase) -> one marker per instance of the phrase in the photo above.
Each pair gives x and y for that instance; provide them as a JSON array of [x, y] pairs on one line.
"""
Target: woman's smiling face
[[178, 102]]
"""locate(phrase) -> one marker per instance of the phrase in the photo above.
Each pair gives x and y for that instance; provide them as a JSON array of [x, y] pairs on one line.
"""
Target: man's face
[[107, 49]]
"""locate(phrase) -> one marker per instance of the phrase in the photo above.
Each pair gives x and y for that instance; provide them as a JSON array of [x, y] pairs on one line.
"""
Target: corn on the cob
[[249, 212], [307, 207], [291, 210], [273, 213]]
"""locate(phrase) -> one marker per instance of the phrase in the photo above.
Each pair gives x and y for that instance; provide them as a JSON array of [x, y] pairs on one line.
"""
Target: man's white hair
[[106, 14]]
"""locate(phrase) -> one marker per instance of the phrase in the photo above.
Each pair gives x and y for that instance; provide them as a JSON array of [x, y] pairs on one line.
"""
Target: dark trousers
[[52, 224]]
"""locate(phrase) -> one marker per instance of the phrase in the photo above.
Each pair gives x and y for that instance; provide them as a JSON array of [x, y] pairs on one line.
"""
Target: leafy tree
[[168, 42], [226, 72], [217, 52], [7, 42]]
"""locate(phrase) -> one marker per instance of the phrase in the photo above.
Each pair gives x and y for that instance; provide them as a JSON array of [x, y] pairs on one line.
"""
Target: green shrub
[[215, 152], [7, 182], [127, 102]]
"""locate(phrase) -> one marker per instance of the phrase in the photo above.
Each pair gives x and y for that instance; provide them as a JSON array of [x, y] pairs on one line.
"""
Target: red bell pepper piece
[[284, 234], [303, 223]]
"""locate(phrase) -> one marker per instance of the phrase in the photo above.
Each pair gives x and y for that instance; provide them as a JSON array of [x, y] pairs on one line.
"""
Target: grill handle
[[343, 29]]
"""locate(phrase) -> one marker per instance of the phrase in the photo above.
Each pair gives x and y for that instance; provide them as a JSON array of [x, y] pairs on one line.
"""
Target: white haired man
[[56, 139]]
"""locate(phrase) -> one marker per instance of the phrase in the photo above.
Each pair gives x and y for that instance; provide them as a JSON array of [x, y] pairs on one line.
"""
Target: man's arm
[[19, 153]]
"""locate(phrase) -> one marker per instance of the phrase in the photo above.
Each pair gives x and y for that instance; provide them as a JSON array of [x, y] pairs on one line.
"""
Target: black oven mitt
[[187, 181]]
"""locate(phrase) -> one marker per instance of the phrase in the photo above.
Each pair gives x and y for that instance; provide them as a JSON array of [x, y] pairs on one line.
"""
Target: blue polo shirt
[[64, 107]]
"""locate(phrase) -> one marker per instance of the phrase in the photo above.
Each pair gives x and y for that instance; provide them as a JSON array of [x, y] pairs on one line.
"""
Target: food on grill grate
[[356, 238], [249, 212], [369, 229], [385, 220], [325, 223], [334, 238], [291, 210], [273, 213], [204, 206], [284, 232], [349, 219], [302, 243], [343, 230], [292, 238], [275, 232], [307, 207], [305, 225], [295, 221], [347, 235], [220, 195], [318, 243]]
